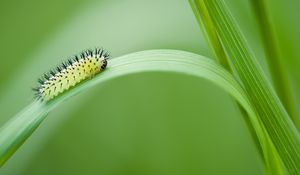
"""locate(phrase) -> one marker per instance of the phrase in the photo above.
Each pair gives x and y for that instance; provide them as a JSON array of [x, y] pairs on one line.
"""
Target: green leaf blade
[[275, 60], [16, 131], [262, 96]]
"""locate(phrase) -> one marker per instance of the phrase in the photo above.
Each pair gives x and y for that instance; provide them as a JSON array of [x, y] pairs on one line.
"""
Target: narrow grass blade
[[20, 127], [273, 115], [275, 60], [212, 38], [268, 154], [210, 32]]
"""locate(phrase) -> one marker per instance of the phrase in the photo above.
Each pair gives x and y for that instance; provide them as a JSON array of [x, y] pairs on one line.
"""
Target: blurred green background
[[152, 123]]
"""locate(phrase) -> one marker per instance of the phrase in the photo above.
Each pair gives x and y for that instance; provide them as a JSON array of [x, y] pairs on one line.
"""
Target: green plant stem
[[273, 115], [275, 61], [277, 123], [210, 33], [205, 22], [270, 156]]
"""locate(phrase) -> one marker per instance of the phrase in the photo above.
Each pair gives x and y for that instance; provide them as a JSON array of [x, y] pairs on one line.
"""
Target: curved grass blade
[[21, 126]]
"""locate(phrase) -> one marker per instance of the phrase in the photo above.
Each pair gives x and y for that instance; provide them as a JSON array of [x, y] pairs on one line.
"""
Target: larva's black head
[[104, 64]]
